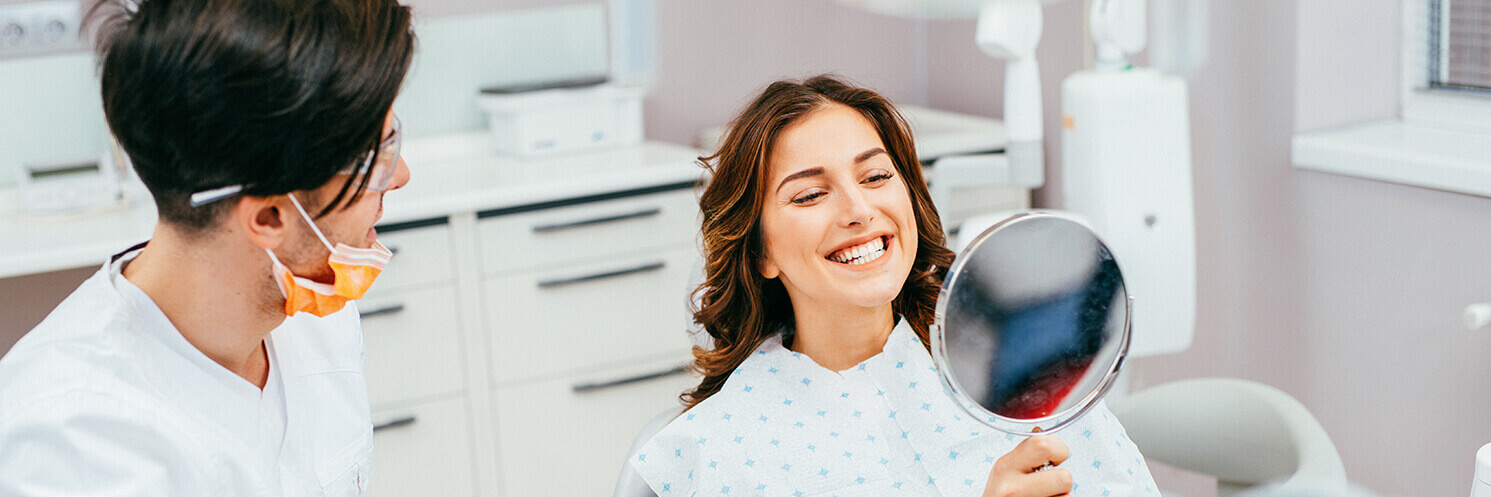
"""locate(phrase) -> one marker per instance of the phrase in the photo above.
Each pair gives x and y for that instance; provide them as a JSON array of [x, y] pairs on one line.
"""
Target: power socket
[[39, 28]]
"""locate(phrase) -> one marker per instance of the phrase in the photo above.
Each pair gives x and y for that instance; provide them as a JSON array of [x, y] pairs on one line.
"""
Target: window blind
[[1457, 44]]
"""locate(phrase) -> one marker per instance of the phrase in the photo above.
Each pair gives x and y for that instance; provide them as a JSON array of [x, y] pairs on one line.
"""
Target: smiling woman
[[825, 171], [823, 262]]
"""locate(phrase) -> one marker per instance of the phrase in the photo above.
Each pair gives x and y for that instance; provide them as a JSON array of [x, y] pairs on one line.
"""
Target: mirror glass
[[1032, 323]]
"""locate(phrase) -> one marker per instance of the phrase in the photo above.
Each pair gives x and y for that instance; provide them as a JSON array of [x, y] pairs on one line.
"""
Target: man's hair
[[275, 95]]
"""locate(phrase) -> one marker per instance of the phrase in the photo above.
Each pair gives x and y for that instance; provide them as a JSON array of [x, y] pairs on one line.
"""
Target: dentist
[[223, 357]]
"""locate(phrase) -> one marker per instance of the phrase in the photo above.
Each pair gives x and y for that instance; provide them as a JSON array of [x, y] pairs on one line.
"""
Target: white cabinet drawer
[[541, 238], [553, 440], [614, 312], [424, 450], [422, 254], [413, 341]]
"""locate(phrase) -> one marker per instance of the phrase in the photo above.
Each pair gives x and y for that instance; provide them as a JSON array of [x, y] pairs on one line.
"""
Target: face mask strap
[[308, 220]]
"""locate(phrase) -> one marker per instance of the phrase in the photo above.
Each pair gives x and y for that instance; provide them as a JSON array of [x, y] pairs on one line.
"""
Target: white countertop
[[457, 173], [449, 174]]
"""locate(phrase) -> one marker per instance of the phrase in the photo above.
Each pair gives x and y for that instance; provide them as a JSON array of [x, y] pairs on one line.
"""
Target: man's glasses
[[379, 164]]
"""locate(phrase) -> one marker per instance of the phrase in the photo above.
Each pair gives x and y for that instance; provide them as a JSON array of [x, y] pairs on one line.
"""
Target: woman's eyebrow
[[812, 171], [866, 155]]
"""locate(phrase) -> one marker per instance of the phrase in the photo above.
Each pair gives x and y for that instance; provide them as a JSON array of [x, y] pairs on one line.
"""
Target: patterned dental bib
[[784, 426]]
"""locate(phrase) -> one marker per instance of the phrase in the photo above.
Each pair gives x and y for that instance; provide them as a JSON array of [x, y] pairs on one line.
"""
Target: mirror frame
[[1054, 421]]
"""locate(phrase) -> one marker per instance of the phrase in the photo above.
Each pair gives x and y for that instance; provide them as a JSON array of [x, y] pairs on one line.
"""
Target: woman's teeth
[[860, 254]]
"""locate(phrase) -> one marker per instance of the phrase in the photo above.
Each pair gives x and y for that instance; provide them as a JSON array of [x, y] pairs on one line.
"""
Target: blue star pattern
[[839, 431]]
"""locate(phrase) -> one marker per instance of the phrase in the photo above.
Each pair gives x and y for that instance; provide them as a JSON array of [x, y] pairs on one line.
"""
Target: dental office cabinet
[[533, 317]]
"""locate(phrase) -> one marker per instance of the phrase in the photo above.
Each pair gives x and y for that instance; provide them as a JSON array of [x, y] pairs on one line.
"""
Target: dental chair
[[1250, 436], [631, 484]]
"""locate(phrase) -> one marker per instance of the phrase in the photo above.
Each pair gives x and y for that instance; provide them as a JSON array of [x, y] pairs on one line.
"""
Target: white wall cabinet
[[517, 350]]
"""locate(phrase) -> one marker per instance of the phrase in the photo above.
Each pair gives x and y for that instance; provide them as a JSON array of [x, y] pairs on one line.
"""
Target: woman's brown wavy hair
[[738, 307]]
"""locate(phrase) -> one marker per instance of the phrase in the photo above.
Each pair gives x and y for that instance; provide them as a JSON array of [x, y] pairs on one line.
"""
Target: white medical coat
[[105, 397], [784, 426]]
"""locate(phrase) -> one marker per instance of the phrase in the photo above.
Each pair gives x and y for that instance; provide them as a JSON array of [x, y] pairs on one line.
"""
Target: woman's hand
[[1018, 473]]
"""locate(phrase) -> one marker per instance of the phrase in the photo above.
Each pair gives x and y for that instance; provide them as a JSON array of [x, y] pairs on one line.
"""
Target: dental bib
[[784, 426]]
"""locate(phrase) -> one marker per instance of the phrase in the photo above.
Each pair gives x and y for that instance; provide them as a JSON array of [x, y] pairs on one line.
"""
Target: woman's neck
[[838, 339]]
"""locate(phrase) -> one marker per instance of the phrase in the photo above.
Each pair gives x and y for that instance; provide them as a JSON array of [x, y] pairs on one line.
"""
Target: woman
[[823, 258]]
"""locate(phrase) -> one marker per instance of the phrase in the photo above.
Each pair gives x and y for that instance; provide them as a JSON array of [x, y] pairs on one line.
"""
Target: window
[[1447, 63], [1443, 139]]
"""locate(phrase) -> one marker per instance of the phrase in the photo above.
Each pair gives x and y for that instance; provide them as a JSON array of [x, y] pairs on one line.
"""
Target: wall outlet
[[38, 28]]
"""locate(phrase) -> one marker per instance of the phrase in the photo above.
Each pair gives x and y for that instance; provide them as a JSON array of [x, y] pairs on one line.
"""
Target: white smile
[[860, 254]]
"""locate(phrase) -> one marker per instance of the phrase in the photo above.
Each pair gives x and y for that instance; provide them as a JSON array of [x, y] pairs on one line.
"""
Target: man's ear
[[265, 220]]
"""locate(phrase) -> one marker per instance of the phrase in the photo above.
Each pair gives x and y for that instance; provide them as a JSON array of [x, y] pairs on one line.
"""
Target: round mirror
[[1032, 323]]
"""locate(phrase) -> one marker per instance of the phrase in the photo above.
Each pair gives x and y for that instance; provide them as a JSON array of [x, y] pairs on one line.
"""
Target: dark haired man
[[224, 357]]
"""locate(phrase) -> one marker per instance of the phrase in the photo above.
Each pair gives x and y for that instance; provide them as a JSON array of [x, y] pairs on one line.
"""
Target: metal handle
[[394, 423], [558, 282], [591, 387], [610, 218], [388, 309]]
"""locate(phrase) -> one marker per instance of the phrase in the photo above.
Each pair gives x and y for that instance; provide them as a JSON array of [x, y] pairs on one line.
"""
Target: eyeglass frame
[[388, 150]]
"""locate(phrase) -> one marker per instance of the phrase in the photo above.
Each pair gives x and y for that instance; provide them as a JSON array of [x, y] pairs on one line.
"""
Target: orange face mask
[[354, 269]]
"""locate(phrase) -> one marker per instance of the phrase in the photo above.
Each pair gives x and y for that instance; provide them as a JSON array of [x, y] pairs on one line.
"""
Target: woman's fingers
[[1019, 473], [1034, 453], [1055, 482], [1047, 483]]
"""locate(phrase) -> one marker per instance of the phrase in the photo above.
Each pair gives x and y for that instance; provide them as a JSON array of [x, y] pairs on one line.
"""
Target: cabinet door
[[553, 440], [597, 315], [423, 450], [588, 231], [413, 341], [421, 256]]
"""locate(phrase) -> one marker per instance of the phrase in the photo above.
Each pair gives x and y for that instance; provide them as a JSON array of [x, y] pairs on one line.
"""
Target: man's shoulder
[[89, 441], [56, 378], [78, 346]]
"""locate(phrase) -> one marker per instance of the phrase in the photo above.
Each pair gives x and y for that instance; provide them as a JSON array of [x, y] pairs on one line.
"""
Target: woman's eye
[[877, 178], [807, 198]]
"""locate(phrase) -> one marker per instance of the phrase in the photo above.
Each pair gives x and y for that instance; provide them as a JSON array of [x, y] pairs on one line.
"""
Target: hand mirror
[[1032, 323]]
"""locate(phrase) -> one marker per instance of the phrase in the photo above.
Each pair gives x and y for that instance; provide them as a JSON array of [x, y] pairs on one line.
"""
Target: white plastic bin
[[552, 121]]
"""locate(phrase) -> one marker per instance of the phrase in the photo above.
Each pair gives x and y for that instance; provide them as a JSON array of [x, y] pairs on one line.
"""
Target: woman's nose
[[855, 209]]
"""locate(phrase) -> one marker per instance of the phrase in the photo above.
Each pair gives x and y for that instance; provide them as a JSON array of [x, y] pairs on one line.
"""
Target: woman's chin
[[874, 297]]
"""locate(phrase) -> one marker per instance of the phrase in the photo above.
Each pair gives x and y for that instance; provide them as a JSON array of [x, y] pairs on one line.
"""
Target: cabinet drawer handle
[[591, 387], [382, 311], [394, 423], [610, 218], [558, 282]]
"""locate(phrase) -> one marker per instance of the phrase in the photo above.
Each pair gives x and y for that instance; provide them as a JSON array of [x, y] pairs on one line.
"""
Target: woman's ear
[[768, 269]]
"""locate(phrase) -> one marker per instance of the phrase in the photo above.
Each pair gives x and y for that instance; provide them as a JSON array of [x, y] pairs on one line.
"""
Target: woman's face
[[837, 223]]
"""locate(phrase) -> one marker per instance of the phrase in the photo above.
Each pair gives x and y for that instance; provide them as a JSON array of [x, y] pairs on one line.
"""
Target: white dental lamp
[[1009, 30]]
